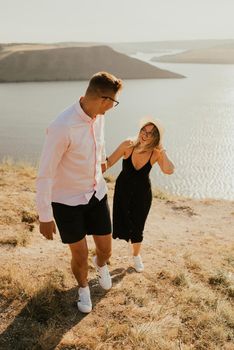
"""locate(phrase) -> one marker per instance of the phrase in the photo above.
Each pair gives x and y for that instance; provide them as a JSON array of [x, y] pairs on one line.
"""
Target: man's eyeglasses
[[110, 98]]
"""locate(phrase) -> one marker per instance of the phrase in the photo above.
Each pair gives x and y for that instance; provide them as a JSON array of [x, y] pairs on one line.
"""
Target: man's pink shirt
[[70, 167]]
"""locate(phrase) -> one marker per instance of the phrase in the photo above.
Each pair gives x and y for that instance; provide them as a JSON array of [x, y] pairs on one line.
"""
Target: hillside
[[215, 55], [20, 63], [183, 300], [154, 46]]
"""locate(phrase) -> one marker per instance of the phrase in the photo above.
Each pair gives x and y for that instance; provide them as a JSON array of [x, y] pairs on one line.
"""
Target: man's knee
[[79, 256], [105, 253], [79, 261]]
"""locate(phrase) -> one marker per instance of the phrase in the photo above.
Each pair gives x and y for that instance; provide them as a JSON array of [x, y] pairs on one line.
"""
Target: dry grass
[[17, 212], [109, 178], [17, 239], [139, 315], [183, 301], [8, 165], [157, 193]]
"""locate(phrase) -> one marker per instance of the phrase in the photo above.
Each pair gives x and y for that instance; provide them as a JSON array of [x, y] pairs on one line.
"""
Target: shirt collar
[[83, 115]]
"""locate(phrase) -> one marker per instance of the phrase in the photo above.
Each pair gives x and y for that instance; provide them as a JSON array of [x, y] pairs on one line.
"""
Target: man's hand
[[47, 229], [104, 167]]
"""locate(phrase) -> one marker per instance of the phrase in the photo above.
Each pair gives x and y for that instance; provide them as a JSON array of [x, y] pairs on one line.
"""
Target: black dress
[[132, 201]]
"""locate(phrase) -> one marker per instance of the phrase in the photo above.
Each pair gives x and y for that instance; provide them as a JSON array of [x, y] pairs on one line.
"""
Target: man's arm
[[56, 144]]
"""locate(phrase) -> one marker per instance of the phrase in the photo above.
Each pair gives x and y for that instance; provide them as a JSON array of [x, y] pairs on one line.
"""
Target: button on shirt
[[70, 167]]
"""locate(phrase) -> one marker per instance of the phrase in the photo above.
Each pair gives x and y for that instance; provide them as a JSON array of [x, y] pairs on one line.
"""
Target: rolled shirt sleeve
[[56, 144]]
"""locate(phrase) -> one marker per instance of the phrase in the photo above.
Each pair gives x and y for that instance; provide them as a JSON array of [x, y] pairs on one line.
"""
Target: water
[[197, 112]]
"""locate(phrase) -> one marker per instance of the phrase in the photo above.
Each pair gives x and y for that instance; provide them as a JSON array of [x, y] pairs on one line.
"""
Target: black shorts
[[75, 222]]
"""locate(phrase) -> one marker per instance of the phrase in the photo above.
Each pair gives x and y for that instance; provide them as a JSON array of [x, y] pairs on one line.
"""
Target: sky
[[115, 21]]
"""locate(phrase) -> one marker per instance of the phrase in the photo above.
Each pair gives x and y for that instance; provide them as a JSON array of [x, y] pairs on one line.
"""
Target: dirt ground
[[183, 299]]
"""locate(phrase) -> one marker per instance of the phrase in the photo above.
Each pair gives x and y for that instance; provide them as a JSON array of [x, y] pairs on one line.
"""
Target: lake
[[197, 113]]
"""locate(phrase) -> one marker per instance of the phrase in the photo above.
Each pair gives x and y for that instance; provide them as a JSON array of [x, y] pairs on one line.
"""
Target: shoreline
[[8, 162]]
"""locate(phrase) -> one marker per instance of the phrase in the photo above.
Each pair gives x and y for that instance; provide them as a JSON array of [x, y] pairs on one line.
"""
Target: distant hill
[[216, 55], [149, 47], [60, 62]]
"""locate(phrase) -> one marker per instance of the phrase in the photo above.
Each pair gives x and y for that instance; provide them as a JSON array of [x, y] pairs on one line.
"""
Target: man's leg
[[103, 251], [103, 248], [79, 261]]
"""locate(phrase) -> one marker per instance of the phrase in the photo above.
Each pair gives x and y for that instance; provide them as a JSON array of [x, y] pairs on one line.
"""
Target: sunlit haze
[[115, 21]]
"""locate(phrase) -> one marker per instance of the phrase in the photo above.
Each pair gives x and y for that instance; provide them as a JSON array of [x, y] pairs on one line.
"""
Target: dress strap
[[151, 154], [149, 161], [130, 155], [132, 150]]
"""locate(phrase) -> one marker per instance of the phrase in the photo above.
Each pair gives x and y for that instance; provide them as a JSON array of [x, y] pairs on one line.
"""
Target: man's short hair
[[103, 82]]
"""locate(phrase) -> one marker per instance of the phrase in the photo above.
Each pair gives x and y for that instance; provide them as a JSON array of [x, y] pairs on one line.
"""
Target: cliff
[[19, 63]]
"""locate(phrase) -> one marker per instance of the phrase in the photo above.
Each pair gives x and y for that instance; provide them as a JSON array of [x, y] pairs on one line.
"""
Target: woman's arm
[[118, 153], [164, 162]]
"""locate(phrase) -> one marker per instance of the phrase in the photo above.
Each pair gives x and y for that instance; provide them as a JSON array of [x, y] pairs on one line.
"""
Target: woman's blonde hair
[[155, 139]]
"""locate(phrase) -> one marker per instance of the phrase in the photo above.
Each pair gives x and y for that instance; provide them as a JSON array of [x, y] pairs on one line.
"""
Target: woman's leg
[[136, 247], [137, 261]]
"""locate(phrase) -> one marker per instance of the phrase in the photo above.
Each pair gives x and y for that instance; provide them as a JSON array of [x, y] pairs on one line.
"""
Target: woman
[[133, 195]]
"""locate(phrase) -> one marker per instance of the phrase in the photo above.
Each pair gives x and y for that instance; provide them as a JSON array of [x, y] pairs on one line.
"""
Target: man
[[70, 185]]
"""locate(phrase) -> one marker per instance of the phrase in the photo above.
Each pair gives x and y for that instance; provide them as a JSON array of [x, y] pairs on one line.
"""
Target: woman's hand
[[160, 149], [164, 162]]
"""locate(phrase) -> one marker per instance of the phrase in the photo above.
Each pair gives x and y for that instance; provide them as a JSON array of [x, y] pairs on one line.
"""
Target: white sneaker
[[138, 264], [84, 303], [104, 277]]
